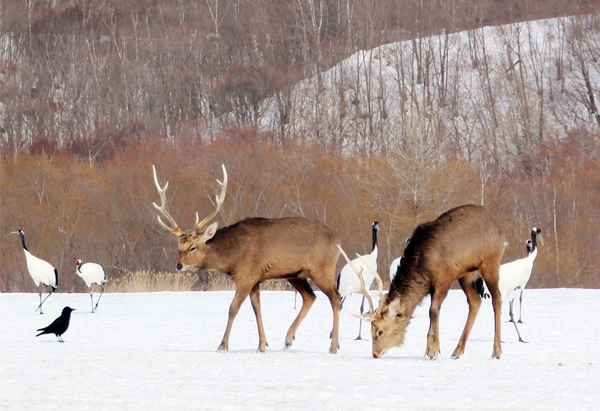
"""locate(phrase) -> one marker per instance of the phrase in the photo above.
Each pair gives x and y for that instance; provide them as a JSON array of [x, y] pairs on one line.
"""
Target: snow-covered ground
[[156, 351]]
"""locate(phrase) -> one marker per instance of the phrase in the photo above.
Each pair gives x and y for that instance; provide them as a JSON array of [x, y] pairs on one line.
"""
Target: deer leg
[[433, 335], [334, 298], [474, 301], [521, 304], [241, 293], [308, 298], [341, 306], [497, 305], [255, 300]]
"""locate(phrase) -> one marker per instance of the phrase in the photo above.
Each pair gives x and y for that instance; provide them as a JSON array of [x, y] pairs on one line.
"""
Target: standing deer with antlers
[[258, 249], [456, 246]]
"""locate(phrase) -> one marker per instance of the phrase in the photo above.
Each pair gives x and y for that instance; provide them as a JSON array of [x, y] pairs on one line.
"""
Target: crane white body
[[394, 268], [516, 274], [92, 273], [41, 271], [396, 264], [348, 279]]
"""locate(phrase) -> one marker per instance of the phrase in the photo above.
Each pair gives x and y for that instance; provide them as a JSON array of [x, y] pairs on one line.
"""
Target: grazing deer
[[258, 249], [458, 244]]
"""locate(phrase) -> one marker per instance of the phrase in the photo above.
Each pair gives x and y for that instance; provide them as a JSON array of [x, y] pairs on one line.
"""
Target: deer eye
[[380, 333], [193, 248]]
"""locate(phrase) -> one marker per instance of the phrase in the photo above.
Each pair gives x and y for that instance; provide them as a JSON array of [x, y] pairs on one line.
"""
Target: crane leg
[[362, 308], [521, 305], [513, 321], [102, 292], [92, 299], [510, 311], [40, 306], [42, 302]]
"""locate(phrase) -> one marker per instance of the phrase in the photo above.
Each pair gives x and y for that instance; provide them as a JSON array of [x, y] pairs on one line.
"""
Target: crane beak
[[541, 239]]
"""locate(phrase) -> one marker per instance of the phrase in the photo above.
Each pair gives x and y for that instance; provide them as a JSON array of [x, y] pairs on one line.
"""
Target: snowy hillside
[[494, 87], [156, 351]]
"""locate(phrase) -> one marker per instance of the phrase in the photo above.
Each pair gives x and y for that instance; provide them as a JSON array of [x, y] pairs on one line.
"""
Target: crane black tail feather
[[481, 288]]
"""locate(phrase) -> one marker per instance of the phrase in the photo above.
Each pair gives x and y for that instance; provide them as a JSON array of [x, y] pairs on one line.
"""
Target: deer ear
[[209, 232], [393, 308]]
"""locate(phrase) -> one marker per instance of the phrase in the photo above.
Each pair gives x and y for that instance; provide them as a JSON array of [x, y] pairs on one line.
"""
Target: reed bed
[[151, 281]]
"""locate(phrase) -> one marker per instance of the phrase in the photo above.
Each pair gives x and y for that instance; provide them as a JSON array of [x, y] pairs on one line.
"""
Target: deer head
[[389, 321], [388, 325], [192, 245]]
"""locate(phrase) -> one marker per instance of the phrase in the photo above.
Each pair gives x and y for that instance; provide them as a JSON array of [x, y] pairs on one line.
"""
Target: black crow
[[58, 326]]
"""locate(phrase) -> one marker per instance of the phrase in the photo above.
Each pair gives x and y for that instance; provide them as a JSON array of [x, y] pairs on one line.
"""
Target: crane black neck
[[374, 237], [533, 241], [22, 235]]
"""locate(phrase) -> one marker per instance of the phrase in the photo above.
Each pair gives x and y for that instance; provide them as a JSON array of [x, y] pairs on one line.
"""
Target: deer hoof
[[287, 346], [455, 357], [222, 348]]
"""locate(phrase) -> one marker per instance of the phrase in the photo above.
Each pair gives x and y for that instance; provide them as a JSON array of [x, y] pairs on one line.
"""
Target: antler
[[363, 290], [220, 197], [163, 206]]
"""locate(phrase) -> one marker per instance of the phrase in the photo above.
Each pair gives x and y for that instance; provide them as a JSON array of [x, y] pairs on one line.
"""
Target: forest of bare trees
[[344, 111]]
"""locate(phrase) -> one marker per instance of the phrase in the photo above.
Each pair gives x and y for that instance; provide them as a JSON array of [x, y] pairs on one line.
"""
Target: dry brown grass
[[149, 281], [211, 281]]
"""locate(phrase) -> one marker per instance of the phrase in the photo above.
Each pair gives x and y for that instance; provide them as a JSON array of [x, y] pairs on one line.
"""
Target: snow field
[[156, 351]]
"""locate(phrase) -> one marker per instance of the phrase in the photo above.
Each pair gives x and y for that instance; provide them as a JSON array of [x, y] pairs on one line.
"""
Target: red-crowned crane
[[92, 273], [348, 280], [515, 274], [42, 272]]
